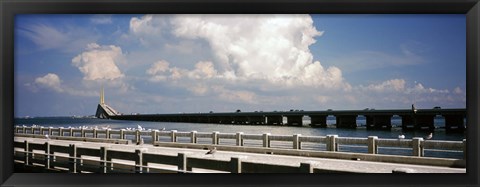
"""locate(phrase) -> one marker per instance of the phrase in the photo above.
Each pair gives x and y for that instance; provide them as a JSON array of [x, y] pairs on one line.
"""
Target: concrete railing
[[76, 159], [332, 143]]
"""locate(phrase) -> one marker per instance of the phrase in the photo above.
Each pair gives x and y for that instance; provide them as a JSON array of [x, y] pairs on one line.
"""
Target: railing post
[[173, 135], [60, 131], [138, 160], [372, 145], [266, 139], [16, 129], [235, 165], [41, 130], [122, 134], [306, 168], [33, 130], [193, 137], [83, 132], [103, 159], [95, 135], [296, 141], [417, 146], [27, 154], [464, 149], [137, 136], [215, 137], [239, 138], [182, 162], [71, 131], [47, 158], [154, 136], [107, 133], [332, 143], [50, 132], [24, 130], [72, 153]]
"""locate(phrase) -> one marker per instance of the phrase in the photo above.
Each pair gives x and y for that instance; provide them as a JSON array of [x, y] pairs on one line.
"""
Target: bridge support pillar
[[226, 120], [454, 123], [346, 121], [408, 122], [424, 121], [274, 120], [256, 120], [296, 120], [379, 122], [240, 119], [318, 121]]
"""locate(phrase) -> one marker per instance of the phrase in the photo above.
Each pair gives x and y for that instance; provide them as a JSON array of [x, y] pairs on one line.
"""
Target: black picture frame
[[9, 8]]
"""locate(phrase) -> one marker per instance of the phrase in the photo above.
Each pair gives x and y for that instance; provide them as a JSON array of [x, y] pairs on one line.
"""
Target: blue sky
[[201, 63]]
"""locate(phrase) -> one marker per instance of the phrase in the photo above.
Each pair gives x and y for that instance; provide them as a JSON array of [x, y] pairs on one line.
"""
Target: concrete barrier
[[331, 142], [82, 139], [80, 160]]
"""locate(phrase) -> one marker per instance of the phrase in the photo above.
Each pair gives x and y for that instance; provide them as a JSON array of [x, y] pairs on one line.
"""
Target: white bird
[[212, 151], [46, 137], [401, 136], [430, 136], [139, 127], [163, 128]]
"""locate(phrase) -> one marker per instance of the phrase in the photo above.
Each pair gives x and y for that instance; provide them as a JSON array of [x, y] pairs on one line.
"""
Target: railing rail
[[331, 142], [104, 162]]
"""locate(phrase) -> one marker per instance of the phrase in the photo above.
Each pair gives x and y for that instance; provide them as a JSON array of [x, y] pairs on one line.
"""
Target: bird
[[46, 137], [139, 127], [401, 136], [163, 129], [429, 136], [211, 151]]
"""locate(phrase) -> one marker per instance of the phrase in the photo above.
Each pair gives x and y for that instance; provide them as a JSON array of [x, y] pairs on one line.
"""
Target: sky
[[200, 63]]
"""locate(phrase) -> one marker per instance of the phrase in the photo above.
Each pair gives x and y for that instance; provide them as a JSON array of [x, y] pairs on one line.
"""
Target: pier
[[250, 152]]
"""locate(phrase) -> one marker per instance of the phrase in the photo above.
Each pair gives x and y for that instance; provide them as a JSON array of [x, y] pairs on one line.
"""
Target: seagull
[[212, 151], [139, 127], [401, 136], [46, 136], [163, 128], [430, 136]]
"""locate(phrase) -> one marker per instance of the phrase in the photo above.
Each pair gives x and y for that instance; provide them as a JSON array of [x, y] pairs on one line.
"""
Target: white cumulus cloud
[[272, 47], [53, 81], [158, 67], [50, 80], [99, 62]]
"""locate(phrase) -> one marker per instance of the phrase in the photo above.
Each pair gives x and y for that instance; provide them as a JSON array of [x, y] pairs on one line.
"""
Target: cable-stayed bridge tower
[[103, 110]]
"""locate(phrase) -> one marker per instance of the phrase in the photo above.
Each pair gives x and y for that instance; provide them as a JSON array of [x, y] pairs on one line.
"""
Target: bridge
[[416, 119], [80, 150]]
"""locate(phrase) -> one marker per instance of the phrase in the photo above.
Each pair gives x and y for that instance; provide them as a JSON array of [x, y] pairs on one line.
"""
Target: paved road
[[321, 163]]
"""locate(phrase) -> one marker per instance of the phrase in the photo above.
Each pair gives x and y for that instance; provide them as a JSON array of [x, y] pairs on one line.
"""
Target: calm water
[[439, 134]]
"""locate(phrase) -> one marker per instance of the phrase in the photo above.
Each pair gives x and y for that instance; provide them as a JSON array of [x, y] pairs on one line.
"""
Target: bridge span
[[375, 119]]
